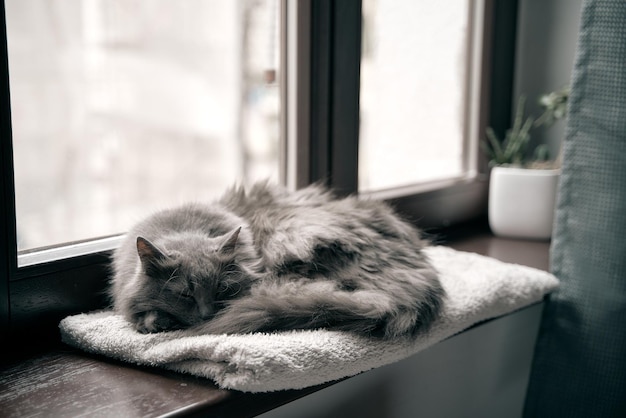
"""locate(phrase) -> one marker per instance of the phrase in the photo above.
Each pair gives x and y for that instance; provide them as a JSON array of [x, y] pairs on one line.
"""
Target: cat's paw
[[153, 321]]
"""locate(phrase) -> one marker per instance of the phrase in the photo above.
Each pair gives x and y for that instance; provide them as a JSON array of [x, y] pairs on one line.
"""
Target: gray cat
[[269, 259]]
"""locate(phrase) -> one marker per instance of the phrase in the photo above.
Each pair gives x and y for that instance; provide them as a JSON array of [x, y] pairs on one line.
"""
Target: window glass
[[414, 74], [121, 107]]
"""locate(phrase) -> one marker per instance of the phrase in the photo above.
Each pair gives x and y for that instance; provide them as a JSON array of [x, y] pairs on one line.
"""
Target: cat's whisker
[[172, 276]]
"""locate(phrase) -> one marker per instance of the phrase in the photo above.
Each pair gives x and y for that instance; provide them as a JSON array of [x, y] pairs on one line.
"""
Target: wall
[[546, 44]]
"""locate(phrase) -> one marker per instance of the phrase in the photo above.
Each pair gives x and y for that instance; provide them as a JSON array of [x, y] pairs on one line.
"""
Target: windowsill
[[64, 381]]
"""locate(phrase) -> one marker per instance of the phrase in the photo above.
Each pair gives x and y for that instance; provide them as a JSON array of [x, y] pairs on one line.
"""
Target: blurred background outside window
[[122, 107], [414, 75]]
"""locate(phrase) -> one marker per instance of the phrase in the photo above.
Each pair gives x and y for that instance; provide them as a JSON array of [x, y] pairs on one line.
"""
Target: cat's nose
[[205, 311]]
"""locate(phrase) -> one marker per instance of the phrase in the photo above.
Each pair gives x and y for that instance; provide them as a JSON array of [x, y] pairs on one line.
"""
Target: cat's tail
[[319, 304]]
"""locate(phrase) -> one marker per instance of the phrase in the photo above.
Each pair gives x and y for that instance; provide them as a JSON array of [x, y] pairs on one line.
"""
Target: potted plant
[[522, 191]]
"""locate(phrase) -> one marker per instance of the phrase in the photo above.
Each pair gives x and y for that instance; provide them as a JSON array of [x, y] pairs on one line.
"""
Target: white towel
[[478, 288]]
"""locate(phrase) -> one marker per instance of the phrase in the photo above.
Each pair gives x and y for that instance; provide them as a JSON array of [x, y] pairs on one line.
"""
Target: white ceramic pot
[[522, 202]]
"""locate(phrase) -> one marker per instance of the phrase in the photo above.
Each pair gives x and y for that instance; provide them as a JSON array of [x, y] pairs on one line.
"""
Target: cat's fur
[[268, 259]]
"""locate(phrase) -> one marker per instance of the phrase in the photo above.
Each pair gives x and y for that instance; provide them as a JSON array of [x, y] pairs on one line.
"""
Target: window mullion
[[295, 58], [335, 66], [321, 55]]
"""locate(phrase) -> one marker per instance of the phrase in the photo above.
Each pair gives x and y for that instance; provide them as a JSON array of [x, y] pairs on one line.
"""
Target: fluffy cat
[[268, 259]]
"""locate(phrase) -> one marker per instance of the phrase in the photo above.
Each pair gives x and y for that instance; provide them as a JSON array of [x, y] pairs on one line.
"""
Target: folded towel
[[478, 288]]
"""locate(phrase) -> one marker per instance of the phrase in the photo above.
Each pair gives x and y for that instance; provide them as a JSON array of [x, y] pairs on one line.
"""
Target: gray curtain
[[579, 368]]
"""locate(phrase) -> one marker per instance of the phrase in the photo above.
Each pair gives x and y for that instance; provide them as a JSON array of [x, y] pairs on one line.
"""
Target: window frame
[[321, 127], [8, 234], [323, 45]]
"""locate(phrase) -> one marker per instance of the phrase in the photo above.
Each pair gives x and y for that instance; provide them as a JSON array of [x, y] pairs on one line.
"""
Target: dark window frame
[[34, 298], [8, 247]]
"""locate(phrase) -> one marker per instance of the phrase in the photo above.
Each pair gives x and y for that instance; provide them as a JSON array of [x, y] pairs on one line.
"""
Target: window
[[415, 72], [127, 97], [122, 107], [425, 77]]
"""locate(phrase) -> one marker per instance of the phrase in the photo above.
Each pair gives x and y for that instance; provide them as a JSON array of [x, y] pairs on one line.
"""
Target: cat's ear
[[148, 252], [228, 247]]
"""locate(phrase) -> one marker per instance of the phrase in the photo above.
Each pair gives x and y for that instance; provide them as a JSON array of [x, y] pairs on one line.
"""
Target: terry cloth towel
[[478, 288]]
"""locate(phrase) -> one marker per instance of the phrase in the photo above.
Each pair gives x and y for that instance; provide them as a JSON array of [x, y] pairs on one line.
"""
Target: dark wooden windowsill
[[67, 382]]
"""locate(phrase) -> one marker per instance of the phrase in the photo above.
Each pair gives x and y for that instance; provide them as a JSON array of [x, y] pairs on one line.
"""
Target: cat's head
[[185, 279]]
